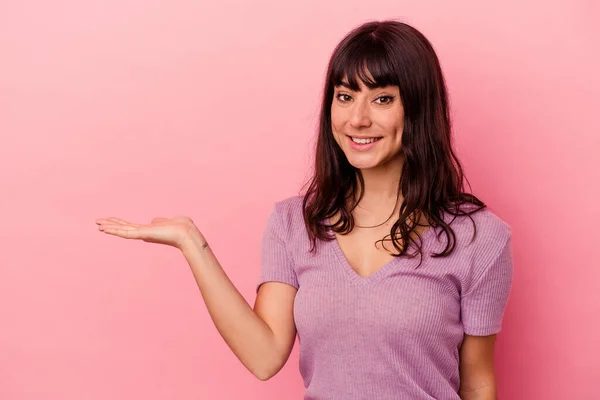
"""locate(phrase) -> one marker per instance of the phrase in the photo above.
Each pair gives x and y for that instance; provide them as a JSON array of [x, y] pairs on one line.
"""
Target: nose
[[360, 114]]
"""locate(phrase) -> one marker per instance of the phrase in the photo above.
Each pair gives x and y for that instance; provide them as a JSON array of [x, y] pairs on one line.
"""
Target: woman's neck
[[381, 187]]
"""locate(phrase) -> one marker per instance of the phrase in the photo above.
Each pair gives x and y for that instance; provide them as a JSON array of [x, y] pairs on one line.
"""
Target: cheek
[[392, 124], [336, 122]]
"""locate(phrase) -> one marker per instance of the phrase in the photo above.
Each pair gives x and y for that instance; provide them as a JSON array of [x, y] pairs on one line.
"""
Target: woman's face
[[368, 124]]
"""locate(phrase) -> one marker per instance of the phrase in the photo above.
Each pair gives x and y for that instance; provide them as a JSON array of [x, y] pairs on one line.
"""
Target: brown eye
[[388, 99], [342, 97]]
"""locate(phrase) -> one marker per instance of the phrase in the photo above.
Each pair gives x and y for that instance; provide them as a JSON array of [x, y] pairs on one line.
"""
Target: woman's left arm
[[477, 378]]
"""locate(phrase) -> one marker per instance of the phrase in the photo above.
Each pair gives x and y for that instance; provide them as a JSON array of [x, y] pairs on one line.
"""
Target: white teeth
[[364, 141]]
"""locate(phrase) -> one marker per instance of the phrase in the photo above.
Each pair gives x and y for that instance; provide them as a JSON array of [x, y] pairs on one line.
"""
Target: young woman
[[395, 279]]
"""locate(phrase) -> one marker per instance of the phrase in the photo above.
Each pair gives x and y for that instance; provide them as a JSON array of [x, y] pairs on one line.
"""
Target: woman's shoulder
[[483, 232], [290, 204], [484, 248], [289, 212], [485, 219]]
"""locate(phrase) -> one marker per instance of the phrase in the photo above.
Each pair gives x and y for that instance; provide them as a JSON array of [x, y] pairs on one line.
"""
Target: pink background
[[139, 109]]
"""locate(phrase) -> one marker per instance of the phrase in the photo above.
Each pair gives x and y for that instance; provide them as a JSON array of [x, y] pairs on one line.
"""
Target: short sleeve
[[276, 263], [482, 307]]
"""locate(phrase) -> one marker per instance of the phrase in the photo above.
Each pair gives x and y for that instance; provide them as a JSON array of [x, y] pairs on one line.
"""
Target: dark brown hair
[[393, 53]]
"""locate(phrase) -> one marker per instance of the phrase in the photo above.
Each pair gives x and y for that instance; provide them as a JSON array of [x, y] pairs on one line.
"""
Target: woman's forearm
[[246, 334], [487, 392]]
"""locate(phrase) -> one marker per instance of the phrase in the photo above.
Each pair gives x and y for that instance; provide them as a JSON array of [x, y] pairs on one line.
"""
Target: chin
[[363, 164]]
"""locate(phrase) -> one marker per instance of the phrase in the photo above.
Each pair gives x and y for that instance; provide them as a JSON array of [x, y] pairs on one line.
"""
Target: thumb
[[159, 219]]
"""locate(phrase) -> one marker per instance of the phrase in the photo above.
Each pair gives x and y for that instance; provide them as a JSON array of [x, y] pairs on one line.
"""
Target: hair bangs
[[366, 60]]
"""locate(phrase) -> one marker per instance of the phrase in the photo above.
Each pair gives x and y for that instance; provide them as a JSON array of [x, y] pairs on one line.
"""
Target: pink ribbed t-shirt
[[395, 334]]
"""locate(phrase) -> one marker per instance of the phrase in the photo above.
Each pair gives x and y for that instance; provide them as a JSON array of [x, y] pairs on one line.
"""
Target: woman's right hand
[[170, 231], [262, 339]]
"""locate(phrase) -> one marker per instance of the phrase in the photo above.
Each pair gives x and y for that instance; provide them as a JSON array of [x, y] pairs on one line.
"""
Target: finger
[[159, 219], [111, 221], [111, 225], [119, 221], [126, 232]]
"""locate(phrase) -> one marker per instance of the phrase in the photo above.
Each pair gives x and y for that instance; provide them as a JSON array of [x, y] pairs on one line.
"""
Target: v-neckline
[[360, 280]]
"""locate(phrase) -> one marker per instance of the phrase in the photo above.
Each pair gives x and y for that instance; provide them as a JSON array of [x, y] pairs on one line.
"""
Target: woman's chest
[[404, 300]]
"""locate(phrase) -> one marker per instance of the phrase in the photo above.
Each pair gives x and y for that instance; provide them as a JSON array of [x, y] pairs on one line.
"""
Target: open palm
[[170, 231]]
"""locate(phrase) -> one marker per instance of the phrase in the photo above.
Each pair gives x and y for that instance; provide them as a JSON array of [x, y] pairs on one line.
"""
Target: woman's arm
[[262, 338], [477, 378]]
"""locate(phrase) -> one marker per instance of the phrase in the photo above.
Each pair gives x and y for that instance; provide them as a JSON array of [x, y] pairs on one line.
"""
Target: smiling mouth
[[365, 140]]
